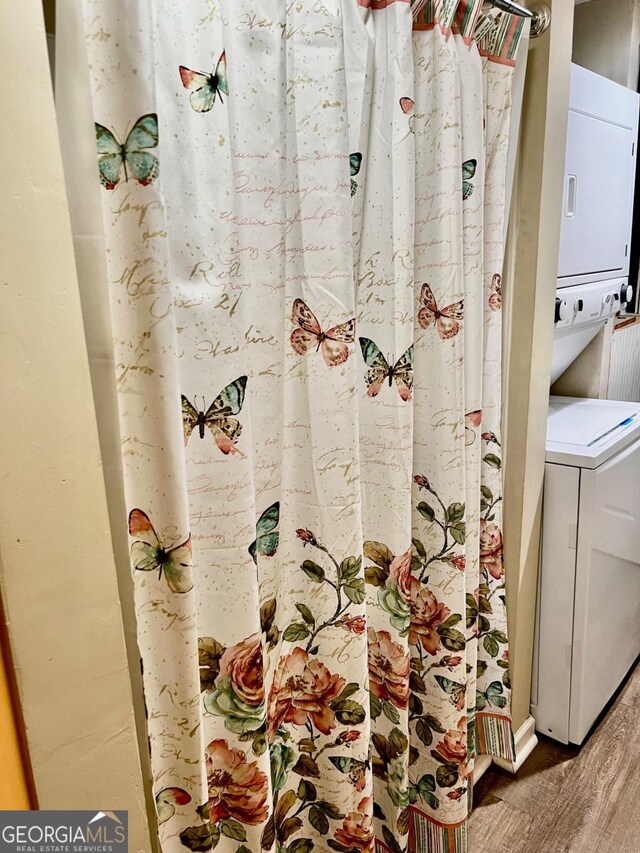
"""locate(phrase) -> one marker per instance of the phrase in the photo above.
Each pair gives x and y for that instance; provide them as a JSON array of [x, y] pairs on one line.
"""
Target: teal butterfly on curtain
[[131, 157], [267, 537], [355, 161], [400, 372], [204, 87], [468, 171], [218, 418]]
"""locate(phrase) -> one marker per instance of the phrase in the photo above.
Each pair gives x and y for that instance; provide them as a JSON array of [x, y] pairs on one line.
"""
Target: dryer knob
[[626, 293], [563, 310]]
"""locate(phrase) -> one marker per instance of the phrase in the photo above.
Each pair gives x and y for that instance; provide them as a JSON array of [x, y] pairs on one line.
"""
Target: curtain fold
[[303, 215]]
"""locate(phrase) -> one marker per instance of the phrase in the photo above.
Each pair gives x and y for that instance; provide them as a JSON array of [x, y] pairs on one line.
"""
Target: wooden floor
[[568, 799]]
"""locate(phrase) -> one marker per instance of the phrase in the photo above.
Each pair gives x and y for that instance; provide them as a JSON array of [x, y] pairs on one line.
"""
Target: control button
[[579, 306], [563, 311], [626, 293]]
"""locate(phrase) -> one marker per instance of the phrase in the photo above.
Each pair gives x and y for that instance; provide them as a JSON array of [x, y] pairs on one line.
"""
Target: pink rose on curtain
[[400, 572], [242, 663], [302, 690], [356, 830], [357, 624], [388, 669], [491, 549], [453, 747], [426, 614], [237, 788]]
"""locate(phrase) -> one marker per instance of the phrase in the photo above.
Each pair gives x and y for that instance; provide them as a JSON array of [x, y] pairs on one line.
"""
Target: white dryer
[[588, 634]]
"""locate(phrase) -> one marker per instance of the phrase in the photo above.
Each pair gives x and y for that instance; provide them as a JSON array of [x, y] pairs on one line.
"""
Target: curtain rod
[[540, 15]]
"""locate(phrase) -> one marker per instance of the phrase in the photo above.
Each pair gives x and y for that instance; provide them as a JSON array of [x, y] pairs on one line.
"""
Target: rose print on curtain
[[304, 253]]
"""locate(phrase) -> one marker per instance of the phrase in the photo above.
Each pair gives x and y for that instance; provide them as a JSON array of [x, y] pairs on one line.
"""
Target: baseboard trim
[[525, 741]]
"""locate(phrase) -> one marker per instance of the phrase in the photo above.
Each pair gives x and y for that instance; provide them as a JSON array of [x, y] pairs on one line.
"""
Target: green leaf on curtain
[[493, 460], [243, 849], [306, 766], [452, 640], [318, 820], [421, 550], [375, 708], [233, 829], [452, 620], [483, 624], [307, 791], [390, 712], [376, 576], [402, 823], [350, 568], [348, 712], [268, 835], [306, 614], [491, 645], [455, 512], [209, 653], [415, 705], [447, 775], [348, 690], [481, 668], [286, 802], [301, 845], [200, 838], [267, 615], [306, 745], [416, 683], [459, 532], [423, 731], [378, 553], [398, 741], [295, 631], [330, 810], [313, 570], [426, 511], [486, 493], [355, 591], [390, 841], [288, 827]]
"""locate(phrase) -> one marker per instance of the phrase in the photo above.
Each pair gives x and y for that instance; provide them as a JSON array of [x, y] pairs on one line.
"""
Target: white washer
[[588, 634]]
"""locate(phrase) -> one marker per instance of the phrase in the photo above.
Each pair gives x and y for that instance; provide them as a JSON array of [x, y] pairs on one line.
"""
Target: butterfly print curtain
[[304, 217]]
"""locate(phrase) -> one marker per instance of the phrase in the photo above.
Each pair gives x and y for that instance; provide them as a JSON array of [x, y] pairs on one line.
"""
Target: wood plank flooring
[[565, 799]]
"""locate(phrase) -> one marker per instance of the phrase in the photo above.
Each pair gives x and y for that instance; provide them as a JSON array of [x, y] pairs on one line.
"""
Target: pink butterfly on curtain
[[446, 319], [149, 554], [204, 87], [308, 334], [495, 297]]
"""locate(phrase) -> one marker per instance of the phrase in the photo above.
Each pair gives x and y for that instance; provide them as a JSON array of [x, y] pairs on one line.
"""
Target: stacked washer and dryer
[[588, 634]]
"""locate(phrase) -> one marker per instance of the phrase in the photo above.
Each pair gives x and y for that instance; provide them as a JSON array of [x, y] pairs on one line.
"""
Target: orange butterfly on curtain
[[308, 334], [445, 319], [495, 297]]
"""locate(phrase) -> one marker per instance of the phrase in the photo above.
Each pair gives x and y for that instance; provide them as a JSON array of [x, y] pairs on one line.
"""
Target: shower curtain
[[303, 219]]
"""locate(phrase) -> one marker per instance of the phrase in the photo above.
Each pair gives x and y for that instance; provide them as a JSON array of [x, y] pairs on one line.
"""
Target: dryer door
[[598, 197], [606, 636]]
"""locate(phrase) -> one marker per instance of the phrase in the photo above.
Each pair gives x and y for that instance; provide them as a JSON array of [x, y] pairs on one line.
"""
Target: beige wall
[[530, 277], [57, 571], [606, 39]]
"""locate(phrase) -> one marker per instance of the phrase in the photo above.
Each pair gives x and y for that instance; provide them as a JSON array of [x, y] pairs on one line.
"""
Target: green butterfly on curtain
[[267, 537], [380, 370], [355, 161], [468, 171], [204, 87], [131, 155], [149, 554], [351, 767], [226, 430], [454, 690]]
